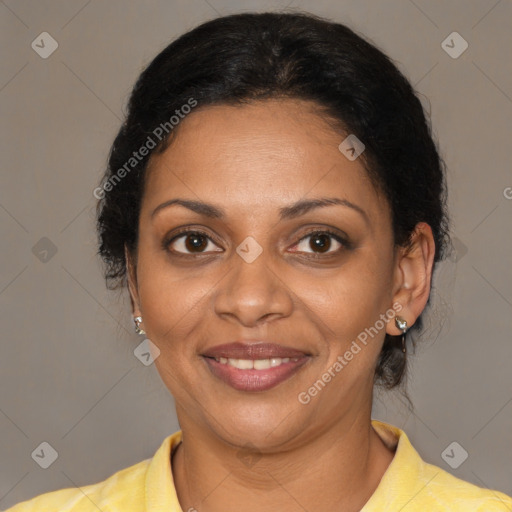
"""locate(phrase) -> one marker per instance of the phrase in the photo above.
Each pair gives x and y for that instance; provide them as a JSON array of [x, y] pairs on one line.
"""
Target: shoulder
[[414, 485], [124, 490], [444, 491]]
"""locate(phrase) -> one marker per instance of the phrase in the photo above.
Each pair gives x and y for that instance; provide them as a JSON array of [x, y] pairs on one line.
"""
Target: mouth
[[254, 366]]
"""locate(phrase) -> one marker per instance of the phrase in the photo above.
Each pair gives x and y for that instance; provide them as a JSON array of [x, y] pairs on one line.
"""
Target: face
[[263, 264]]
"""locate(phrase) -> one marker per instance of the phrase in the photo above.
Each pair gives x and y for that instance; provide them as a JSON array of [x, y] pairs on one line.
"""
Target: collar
[[397, 487]]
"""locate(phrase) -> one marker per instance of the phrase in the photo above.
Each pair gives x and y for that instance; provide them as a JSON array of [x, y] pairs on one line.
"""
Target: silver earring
[[138, 329], [402, 325]]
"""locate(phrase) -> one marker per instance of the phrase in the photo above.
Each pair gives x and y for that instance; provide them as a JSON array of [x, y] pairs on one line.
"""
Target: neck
[[336, 470]]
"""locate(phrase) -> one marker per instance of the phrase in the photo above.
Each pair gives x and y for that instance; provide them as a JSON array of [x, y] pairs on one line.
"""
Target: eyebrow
[[292, 211]]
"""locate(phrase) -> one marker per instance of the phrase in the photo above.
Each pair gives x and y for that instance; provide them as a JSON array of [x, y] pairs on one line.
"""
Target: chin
[[266, 429]]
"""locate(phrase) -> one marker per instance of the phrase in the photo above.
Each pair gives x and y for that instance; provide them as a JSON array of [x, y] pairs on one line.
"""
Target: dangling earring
[[402, 325], [138, 329]]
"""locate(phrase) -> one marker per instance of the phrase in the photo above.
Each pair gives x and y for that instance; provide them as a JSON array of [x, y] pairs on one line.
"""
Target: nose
[[252, 293]]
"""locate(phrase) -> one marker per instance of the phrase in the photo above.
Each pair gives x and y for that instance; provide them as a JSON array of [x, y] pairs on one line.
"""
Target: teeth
[[242, 364], [264, 364], [256, 364]]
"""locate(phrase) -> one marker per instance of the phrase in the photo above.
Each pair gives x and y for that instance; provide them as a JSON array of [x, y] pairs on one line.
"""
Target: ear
[[413, 275], [131, 272]]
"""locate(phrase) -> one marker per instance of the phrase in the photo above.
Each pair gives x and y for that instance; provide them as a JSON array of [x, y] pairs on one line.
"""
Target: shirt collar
[[401, 480], [399, 484], [160, 490]]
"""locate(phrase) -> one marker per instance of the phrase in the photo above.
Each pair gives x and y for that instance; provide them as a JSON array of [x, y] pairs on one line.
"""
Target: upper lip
[[245, 349]]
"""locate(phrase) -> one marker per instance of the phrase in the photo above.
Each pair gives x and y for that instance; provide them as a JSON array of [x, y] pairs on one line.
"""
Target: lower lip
[[254, 380]]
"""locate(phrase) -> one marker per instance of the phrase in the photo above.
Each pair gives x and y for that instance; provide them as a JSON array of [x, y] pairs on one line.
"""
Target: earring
[[402, 325], [138, 329]]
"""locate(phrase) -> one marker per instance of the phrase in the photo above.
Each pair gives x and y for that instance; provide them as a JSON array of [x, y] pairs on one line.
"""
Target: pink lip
[[254, 380]]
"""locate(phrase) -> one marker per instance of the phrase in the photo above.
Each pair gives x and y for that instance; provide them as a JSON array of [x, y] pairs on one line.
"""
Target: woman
[[275, 204]]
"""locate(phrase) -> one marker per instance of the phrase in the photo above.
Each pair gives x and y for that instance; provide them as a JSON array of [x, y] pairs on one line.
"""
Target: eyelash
[[187, 231]]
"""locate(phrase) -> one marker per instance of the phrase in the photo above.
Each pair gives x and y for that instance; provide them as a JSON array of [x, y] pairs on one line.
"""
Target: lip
[[251, 379]]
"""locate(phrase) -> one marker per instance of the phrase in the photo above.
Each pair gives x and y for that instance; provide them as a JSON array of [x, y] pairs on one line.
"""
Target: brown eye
[[320, 242], [195, 242], [191, 242]]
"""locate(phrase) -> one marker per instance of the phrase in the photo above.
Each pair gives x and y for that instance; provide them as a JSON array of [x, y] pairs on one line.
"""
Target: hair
[[241, 58]]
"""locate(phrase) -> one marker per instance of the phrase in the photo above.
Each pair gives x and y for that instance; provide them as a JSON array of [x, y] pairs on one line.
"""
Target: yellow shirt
[[408, 485]]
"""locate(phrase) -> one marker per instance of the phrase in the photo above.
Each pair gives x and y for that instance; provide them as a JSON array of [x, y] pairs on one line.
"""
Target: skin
[[251, 161]]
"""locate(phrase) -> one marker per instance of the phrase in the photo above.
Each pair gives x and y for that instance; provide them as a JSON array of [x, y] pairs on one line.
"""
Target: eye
[[190, 242], [320, 242], [317, 242]]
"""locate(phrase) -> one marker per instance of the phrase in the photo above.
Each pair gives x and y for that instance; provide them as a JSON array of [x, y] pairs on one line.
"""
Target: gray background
[[68, 374]]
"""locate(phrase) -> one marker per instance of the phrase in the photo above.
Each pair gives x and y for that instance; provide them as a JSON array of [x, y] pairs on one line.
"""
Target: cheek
[[172, 307], [350, 297], [347, 309], [172, 302]]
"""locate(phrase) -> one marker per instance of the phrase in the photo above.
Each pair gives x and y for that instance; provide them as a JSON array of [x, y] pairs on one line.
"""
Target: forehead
[[258, 156]]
